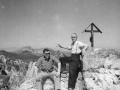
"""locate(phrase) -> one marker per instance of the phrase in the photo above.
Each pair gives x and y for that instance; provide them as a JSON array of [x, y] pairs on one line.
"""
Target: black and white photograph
[[59, 45]]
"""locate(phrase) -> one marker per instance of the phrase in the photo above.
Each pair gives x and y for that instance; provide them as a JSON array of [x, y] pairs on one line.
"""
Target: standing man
[[76, 48], [45, 65]]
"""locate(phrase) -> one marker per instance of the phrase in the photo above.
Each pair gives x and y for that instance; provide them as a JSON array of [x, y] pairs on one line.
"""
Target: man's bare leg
[[38, 80], [39, 85]]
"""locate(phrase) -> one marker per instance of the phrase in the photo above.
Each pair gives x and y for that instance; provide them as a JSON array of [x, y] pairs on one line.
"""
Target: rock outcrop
[[101, 69]]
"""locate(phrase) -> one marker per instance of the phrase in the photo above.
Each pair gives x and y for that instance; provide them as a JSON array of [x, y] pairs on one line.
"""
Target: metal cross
[[92, 32]]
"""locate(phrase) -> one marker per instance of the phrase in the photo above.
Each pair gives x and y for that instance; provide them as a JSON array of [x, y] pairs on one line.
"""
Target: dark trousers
[[63, 61], [75, 66], [73, 70]]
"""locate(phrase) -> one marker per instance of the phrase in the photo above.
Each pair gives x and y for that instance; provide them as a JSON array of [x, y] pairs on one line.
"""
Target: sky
[[45, 23]]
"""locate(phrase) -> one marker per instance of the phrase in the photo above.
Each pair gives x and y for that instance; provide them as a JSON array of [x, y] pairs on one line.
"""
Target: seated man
[[46, 66]]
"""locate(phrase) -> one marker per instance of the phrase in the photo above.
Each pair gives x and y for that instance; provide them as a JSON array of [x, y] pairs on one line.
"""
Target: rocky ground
[[101, 71], [31, 84]]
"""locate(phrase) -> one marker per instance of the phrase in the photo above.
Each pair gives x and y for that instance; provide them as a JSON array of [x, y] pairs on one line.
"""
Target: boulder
[[101, 69]]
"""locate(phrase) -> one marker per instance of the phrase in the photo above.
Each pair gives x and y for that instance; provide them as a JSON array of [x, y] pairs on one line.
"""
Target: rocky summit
[[101, 70]]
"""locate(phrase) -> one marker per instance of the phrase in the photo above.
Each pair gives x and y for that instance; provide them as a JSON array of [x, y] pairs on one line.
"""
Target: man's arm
[[68, 48], [85, 47], [38, 63], [59, 68], [59, 65]]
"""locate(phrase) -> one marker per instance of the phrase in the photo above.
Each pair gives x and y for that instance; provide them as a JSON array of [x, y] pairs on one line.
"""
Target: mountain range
[[28, 53]]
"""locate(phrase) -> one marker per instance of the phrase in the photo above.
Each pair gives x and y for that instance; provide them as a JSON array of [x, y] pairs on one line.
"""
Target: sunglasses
[[73, 37]]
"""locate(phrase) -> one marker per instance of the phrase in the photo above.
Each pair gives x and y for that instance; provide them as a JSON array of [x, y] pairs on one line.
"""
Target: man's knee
[[39, 78]]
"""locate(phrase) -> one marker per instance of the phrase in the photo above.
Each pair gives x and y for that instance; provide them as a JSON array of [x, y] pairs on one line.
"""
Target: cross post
[[92, 31]]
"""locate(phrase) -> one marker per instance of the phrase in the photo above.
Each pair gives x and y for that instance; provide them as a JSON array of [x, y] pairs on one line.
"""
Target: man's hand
[[58, 74], [59, 45], [84, 53]]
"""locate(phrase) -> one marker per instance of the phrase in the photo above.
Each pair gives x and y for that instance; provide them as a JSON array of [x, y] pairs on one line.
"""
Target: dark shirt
[[45, 64]]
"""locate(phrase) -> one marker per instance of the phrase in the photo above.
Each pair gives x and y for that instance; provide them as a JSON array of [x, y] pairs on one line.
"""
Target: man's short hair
[[46, 50], [74, 34]]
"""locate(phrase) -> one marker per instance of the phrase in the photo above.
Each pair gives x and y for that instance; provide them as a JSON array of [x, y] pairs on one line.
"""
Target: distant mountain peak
[[27, 48]]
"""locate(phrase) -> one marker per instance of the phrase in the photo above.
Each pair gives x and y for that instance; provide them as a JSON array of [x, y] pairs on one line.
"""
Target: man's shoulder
[[41, 58], [52, 56], [79, 42], [55, 59]]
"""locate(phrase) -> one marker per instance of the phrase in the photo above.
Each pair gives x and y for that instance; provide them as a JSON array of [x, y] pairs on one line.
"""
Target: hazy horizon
[[45, 23], [11, 49]]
